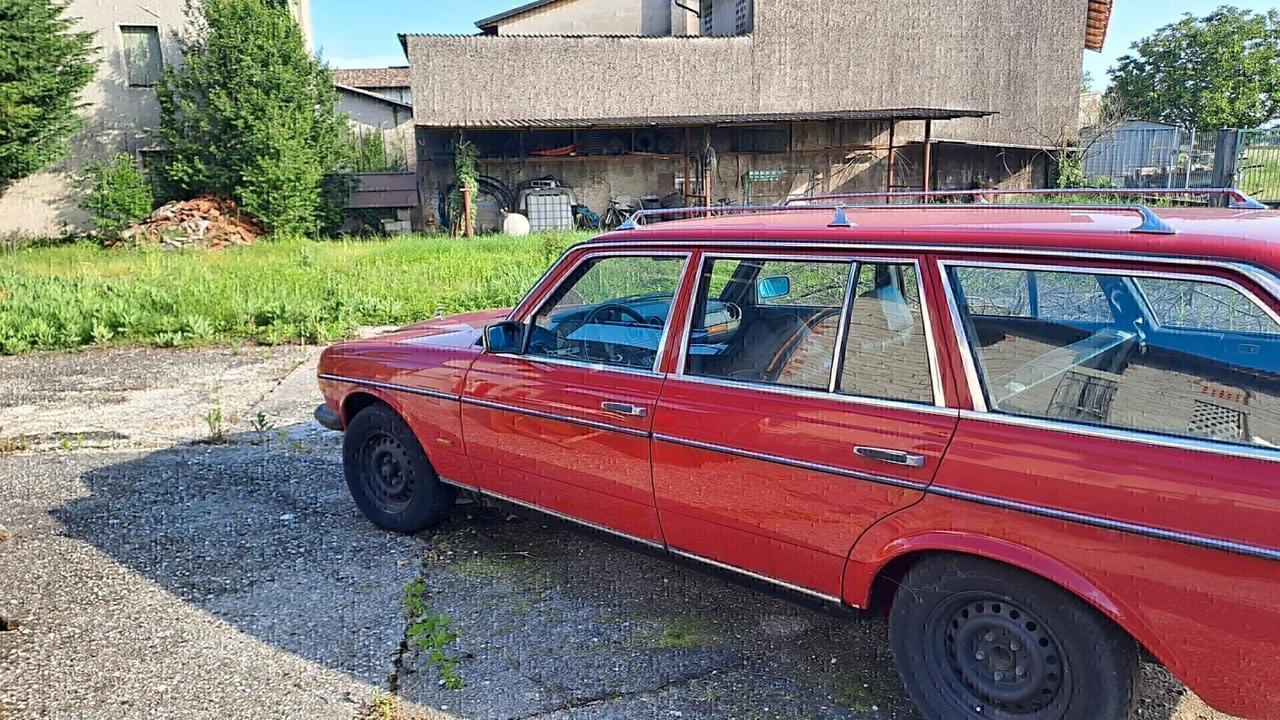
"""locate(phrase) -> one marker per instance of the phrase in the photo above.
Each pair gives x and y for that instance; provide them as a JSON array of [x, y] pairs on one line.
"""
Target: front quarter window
[[611, 310]]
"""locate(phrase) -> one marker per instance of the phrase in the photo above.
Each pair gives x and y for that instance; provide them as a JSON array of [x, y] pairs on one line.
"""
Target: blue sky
[[363, 33]]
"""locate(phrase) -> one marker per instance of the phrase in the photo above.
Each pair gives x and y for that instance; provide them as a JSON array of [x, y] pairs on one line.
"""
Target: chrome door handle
[[895, 457], [621, 408]]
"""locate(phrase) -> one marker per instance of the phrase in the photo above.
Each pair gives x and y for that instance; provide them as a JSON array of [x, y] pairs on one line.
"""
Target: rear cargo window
[[1184, 356]]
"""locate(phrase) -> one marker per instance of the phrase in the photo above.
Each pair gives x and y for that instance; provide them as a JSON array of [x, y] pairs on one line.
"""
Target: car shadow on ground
[[262, 534]]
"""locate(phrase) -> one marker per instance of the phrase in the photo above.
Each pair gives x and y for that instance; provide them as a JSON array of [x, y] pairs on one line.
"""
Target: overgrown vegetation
[[293, 290], [433, 634], [115, 193], [464, 166], [252, 114], [373, 150], [43, 68]]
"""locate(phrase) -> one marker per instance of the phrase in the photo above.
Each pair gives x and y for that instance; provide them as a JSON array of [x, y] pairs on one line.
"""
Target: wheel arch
[[872, 579]]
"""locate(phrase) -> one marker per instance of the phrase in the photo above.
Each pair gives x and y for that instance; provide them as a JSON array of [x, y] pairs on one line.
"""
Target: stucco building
[[135, 42], [793, 97]]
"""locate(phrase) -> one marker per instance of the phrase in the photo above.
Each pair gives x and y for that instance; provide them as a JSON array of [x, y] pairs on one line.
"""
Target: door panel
[[773, 516], [756, 459], [565, 426], [536, 433]]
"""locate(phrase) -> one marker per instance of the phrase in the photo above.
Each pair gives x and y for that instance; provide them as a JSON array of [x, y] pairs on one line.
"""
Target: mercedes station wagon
[[1044, 440]]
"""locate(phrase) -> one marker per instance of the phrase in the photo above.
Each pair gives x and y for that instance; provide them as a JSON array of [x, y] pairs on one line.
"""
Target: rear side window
[[768, 321], [1184, 356], [787, 322]]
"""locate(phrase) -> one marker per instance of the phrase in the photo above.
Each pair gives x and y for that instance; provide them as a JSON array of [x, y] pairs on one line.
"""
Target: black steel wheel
[[977, 639], [390, 477]]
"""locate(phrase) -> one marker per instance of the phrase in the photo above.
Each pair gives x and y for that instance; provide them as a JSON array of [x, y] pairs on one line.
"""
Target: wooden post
[[928, 156], [467, 222], [888, 185]]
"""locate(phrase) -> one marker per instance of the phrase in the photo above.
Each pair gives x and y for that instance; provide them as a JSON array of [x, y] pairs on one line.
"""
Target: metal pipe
[[893, 124], [928, 154]]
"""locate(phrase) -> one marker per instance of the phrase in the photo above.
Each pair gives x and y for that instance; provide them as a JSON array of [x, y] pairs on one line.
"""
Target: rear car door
[[564, 427], [807, 405]]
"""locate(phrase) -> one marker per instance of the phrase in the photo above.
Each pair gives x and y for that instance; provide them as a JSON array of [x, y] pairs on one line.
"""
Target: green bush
[[115, 193]]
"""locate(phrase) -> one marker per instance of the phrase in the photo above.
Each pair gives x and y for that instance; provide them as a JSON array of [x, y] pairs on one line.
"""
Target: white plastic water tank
[[515, 225]]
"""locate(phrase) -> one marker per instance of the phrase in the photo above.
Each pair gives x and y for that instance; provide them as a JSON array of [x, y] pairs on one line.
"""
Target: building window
[[142, 59]]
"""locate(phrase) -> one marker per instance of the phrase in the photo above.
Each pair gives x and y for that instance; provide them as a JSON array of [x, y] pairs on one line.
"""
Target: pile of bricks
[[207, 221]]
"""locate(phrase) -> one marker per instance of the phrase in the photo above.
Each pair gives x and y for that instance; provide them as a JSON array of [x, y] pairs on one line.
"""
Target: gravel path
[[153, 575]]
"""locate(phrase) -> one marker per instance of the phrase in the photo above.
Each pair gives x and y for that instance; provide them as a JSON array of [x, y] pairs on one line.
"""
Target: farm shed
[[787, 97]]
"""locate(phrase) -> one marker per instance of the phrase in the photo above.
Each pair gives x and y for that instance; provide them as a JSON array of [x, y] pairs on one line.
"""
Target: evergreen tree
[[44, 65], [251, 114]]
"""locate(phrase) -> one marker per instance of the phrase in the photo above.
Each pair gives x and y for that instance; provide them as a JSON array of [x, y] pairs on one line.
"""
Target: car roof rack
[[1240, 199], [1151, 223]]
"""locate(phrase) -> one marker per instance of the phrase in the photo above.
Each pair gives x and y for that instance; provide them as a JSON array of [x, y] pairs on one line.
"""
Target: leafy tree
[[116, 193], [43, 67], [1221, 70], [251, 114]]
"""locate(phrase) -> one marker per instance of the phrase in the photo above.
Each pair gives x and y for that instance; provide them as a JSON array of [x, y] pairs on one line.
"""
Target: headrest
[[893, 307]]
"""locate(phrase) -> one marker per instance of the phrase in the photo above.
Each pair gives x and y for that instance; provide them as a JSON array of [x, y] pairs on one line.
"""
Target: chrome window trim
[[790, 462], [390, 386], [516, 311], [926, 408], [553, 513], [842, 330], [1203, 541], [977, 391], [756, 576], [939, 398], [595, 424], [588, 256]]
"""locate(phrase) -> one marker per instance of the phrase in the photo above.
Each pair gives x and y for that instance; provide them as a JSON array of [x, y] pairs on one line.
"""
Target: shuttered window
[[142, 60]]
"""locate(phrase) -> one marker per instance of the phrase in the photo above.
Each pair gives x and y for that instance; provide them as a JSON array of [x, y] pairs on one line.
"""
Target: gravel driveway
[[151, 574]]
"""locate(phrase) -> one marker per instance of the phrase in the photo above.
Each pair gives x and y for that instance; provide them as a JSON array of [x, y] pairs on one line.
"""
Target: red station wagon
[[1043, 439]]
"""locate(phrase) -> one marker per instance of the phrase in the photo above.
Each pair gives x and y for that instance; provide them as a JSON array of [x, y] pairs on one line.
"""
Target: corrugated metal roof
[[372, 77], [726, 119], [492, 20], [1095, 31]]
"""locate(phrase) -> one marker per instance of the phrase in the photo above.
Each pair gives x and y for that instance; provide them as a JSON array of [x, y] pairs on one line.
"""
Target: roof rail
[[633, 221], [1151, 223], [1240, 199]]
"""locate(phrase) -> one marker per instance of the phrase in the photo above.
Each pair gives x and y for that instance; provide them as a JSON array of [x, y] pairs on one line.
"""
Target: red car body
[[1176, 541]]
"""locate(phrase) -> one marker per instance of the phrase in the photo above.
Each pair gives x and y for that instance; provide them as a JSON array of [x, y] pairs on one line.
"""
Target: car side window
[[610, 310], [886, 351], [1120, 354], [768, 321]]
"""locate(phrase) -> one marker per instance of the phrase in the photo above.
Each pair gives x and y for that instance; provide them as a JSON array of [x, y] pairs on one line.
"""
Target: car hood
[[452, 331]]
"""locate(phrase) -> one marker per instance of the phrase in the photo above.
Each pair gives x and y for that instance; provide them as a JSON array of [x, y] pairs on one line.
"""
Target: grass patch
[[433, 634], [685, 632], [281, 291]]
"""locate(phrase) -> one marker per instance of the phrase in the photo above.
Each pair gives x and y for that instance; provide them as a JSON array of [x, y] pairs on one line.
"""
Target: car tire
[[975, 639], [389, 475]]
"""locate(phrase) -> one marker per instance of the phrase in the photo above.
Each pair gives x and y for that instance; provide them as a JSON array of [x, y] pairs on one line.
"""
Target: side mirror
[[774, 287], [504, 337]]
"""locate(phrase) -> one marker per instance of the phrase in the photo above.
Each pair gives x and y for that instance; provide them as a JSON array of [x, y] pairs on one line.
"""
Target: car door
[[806, 406], [564, 426]]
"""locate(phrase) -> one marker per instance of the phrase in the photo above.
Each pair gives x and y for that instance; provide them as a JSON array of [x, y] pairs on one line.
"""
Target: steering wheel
[[612, 353]]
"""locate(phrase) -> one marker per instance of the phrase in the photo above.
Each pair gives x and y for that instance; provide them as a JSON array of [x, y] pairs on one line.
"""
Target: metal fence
[[1257, 163], [1149, 155]]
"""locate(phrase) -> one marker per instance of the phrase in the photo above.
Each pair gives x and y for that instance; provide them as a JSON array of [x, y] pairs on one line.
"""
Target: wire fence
[[1139, 154]]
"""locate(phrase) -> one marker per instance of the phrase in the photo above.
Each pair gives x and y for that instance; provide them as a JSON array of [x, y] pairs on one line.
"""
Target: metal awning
[[708, 120]]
